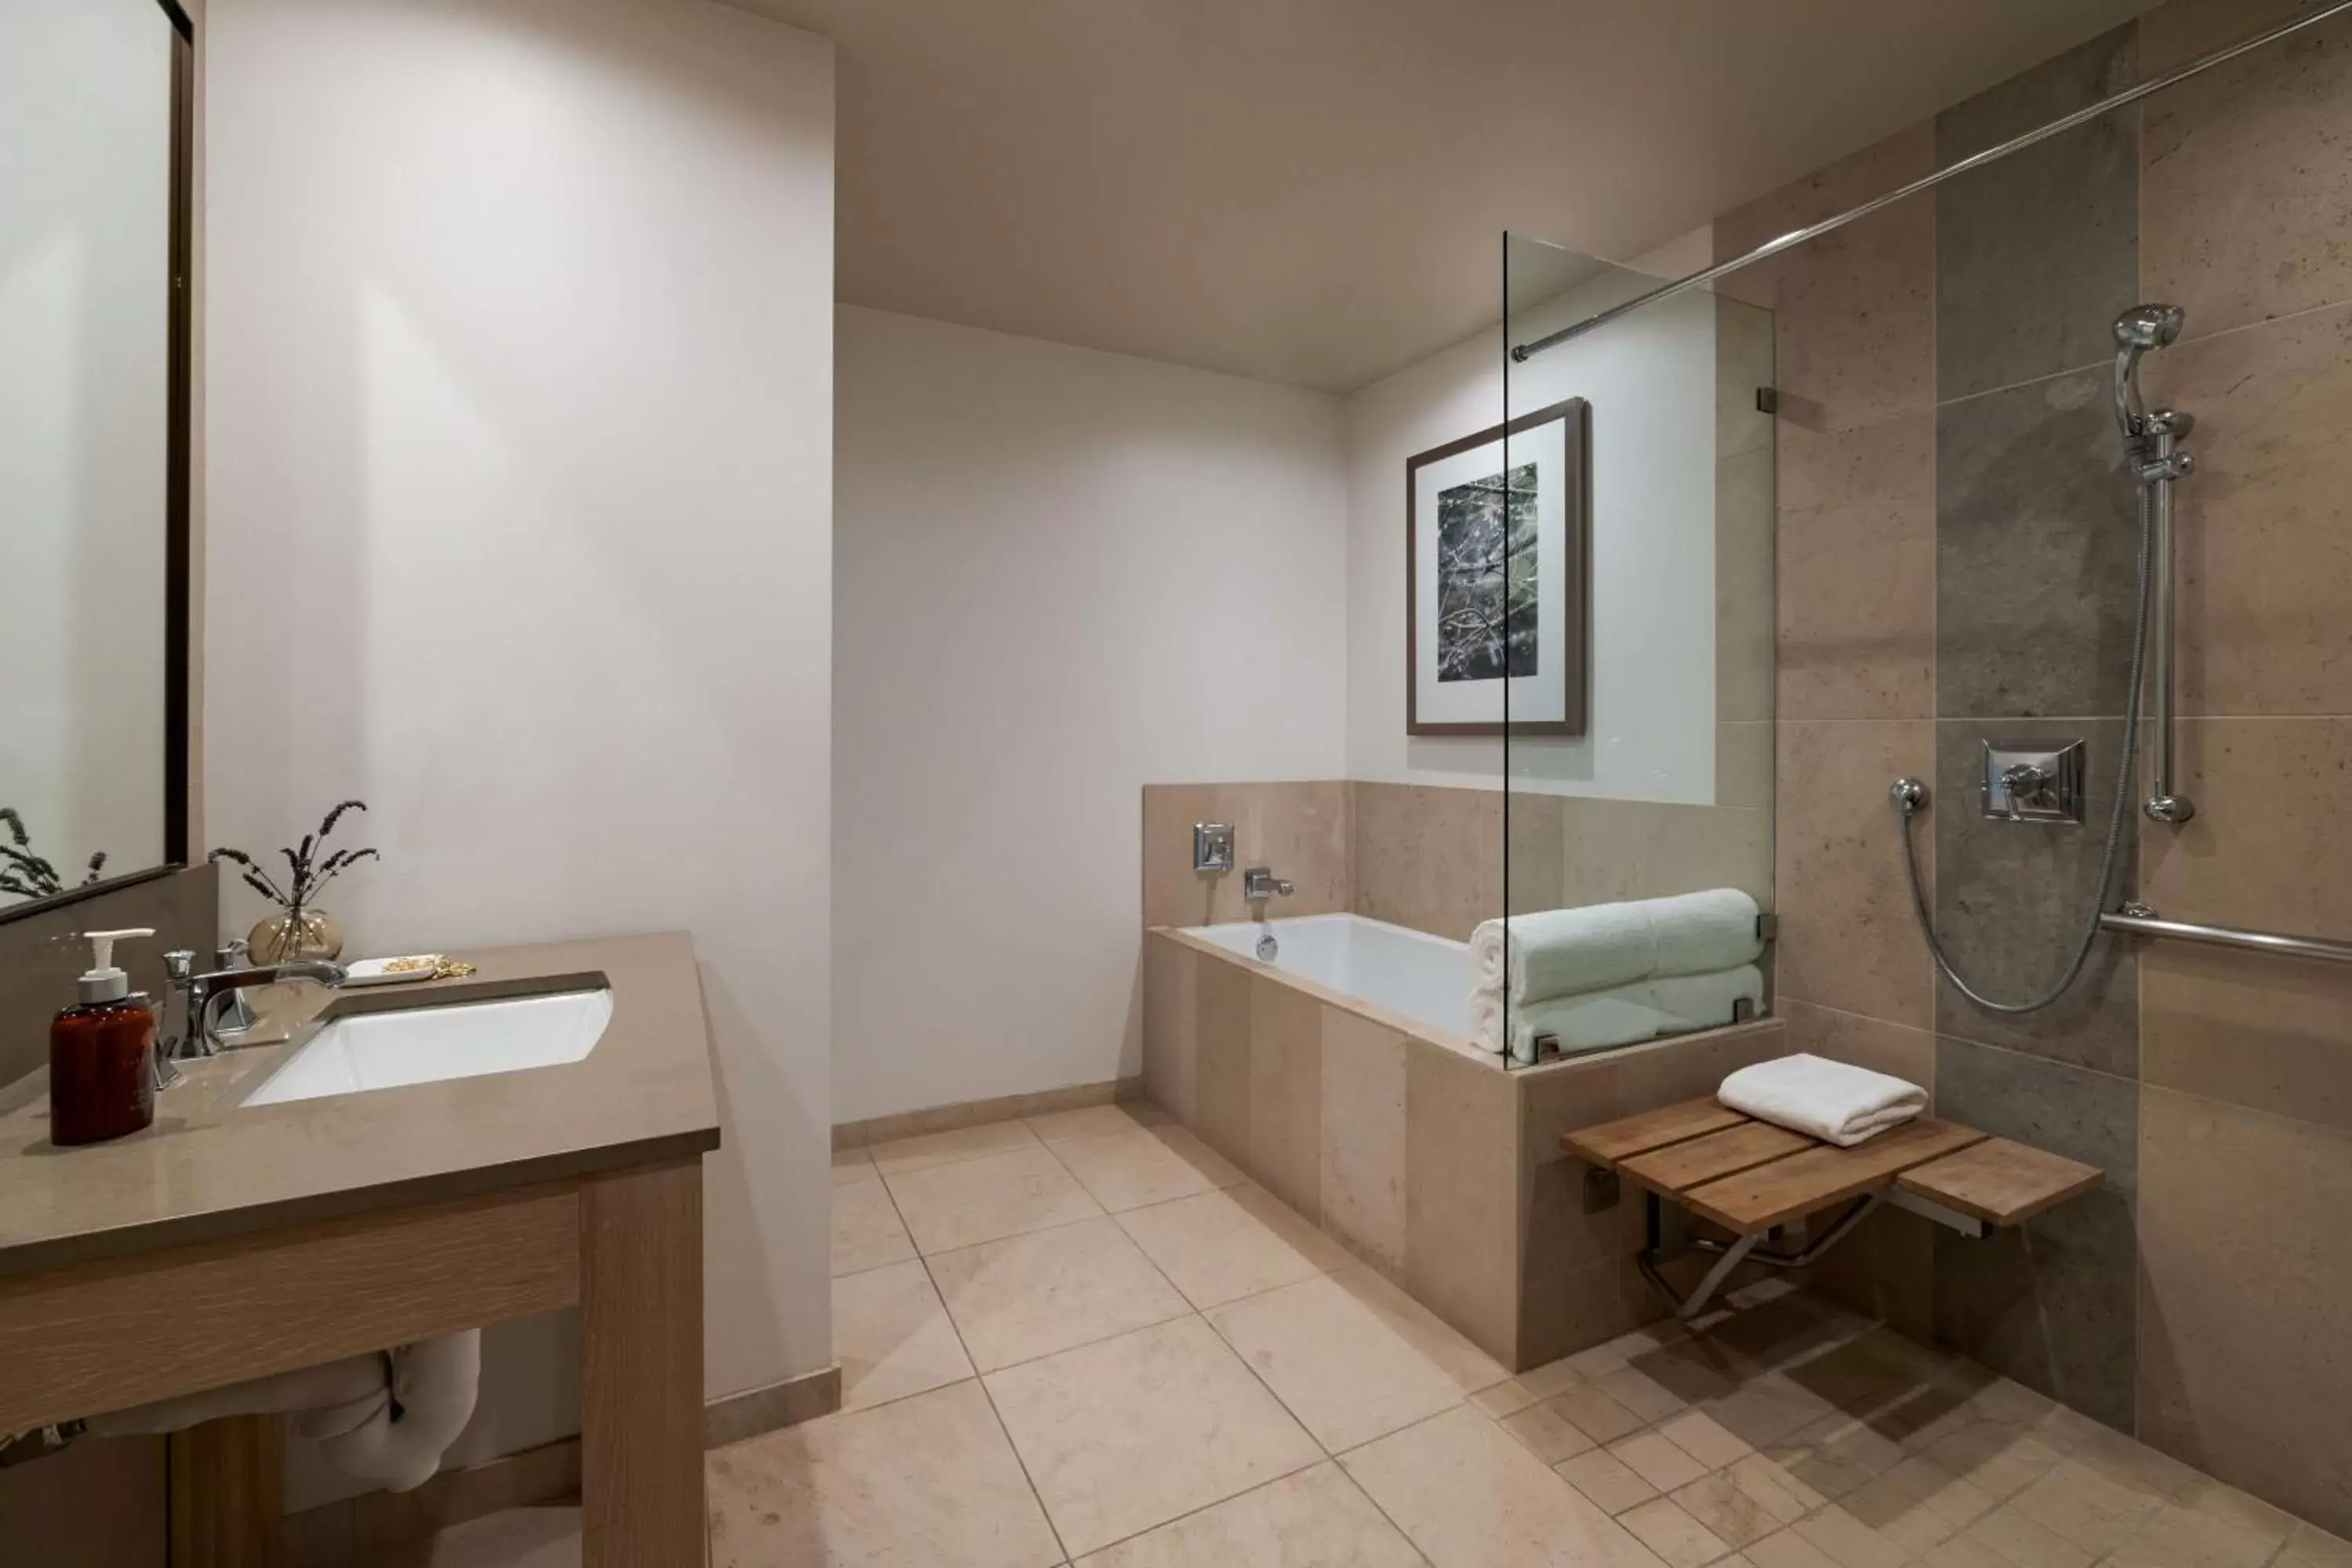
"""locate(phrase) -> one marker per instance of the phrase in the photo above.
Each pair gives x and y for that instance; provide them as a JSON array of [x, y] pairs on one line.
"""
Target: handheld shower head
[[2138, 329], [2145, 326]]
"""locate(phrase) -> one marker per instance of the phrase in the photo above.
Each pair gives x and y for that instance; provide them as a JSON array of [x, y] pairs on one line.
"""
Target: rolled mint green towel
[[1568, 952], [1705, 933], [1628, 1015], [1563, 952], [1705, 1001]]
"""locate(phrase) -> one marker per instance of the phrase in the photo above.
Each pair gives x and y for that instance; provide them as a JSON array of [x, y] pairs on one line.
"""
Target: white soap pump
[[101, 1053], [104, 983]]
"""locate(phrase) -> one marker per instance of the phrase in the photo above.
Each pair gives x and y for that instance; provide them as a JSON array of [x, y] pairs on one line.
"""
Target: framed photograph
[[1498, 578]]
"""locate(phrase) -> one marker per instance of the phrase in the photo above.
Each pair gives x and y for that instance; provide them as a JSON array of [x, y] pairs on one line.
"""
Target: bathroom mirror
[[94, 379]]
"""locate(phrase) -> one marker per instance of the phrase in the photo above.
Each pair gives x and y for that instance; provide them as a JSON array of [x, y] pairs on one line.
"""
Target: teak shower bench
[[1753, 1178]]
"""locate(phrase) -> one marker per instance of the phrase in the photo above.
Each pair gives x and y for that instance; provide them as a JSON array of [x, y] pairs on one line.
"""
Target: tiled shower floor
[[1085, 1338]]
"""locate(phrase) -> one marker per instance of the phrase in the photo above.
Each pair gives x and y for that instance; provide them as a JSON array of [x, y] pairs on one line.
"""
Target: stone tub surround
[[1948, 491], [1414, 1150]]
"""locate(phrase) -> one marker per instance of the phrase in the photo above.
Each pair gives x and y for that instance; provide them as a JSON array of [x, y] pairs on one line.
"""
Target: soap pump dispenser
[[101, 1050]]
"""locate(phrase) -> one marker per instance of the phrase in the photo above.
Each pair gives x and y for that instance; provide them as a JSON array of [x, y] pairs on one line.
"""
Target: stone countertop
[[209, 1169]]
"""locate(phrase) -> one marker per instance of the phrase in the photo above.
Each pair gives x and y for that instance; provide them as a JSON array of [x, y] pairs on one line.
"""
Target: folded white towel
[[1570, 953], [1834, 1101], [1618, 1016]]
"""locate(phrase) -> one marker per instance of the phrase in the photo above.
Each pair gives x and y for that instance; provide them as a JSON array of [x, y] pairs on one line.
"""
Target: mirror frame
[[179, 586]]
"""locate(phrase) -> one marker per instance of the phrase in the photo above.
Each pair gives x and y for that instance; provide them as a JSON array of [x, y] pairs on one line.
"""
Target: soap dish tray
[[382, 971]]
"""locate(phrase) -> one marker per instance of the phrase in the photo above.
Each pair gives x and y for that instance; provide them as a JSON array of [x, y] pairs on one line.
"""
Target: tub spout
[[1259, 883]]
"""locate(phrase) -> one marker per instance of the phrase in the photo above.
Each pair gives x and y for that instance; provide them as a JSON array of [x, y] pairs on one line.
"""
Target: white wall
[[520, 451], [85, 207], [1060, 574], [1650, 383]]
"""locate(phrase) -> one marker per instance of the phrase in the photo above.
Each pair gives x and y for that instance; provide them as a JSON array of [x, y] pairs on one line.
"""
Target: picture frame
[[1498, 579]]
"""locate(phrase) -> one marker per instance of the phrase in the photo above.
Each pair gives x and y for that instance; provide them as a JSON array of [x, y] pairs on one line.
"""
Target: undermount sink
[[423, 1044]]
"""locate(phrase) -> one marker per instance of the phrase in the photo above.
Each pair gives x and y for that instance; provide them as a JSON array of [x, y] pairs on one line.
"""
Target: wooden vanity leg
[[227, 1492], [641, 1368]]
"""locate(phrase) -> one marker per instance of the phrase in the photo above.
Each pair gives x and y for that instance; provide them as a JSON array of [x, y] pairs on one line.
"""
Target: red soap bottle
[[102, 1054]]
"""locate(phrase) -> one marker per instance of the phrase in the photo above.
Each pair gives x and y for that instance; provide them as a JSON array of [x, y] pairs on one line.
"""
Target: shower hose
[[1909, 808]]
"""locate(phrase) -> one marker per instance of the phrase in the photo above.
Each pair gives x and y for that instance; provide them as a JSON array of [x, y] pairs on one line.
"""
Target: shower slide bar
[[1520, 353], [2138, 920]]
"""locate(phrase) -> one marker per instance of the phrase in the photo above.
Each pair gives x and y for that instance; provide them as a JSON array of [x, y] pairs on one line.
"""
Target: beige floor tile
[[1315, 1519], [1700, 1436], [1186, 1145], [1213, 1247], [2220, 1500], [510, 1538], [1664, 1527], [1720, 1503], [1786, 1549], [1917, 1505], [1964, 1550], [1470, 1498], [1834, 1455], [1998, 1459], [1653, 1402], [2023, 1543], [2312, 1547], [2086, 1508], [866, 1232], [2010, 1402], [1769, 1409], [1848, 1542], [926, 1480], [891, 1336], [1128, 1170], [984, 1199], [1657, 1462], [1471, 1368], [1544, 1432], [2066, 1429], [1635, 1344], [1027, 1296], [1778, 1493], [1347, 1375], [852, 1166], [1507, 1398], [1132, 1432], [2181, 1536], [1602, 1419], [1556, 1377], [925, 1150], [1094, 1121], [1606, 1479], [2134, 1465]]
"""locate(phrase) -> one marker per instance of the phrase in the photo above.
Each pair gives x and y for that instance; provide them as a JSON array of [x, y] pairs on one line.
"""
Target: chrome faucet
[[203, 994], [1259, 883]]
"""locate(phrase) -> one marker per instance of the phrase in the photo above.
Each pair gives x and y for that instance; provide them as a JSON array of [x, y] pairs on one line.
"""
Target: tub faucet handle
[[1260, 883]]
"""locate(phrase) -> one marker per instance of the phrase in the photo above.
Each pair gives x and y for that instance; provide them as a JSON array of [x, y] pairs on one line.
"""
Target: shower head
[[2138, 329]]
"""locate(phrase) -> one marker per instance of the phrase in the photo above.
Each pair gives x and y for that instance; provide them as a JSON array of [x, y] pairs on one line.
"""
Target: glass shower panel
[[1627, 634]]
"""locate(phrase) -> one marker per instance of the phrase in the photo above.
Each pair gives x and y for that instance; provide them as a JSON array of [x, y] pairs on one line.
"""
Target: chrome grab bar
[[2138, 920]]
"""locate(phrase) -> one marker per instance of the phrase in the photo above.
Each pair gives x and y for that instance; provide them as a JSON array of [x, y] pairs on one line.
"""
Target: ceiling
[[1313, 191]]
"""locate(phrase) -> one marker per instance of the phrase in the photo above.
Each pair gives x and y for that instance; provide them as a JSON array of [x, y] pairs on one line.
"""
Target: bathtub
[[1340, 1076], [1411, 973]]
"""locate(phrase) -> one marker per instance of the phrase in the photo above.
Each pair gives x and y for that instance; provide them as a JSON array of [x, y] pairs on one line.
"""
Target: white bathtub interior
[[1425, 978]]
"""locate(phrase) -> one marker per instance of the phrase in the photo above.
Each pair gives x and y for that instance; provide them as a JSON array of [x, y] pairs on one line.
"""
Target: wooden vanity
[[230, 1242]]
